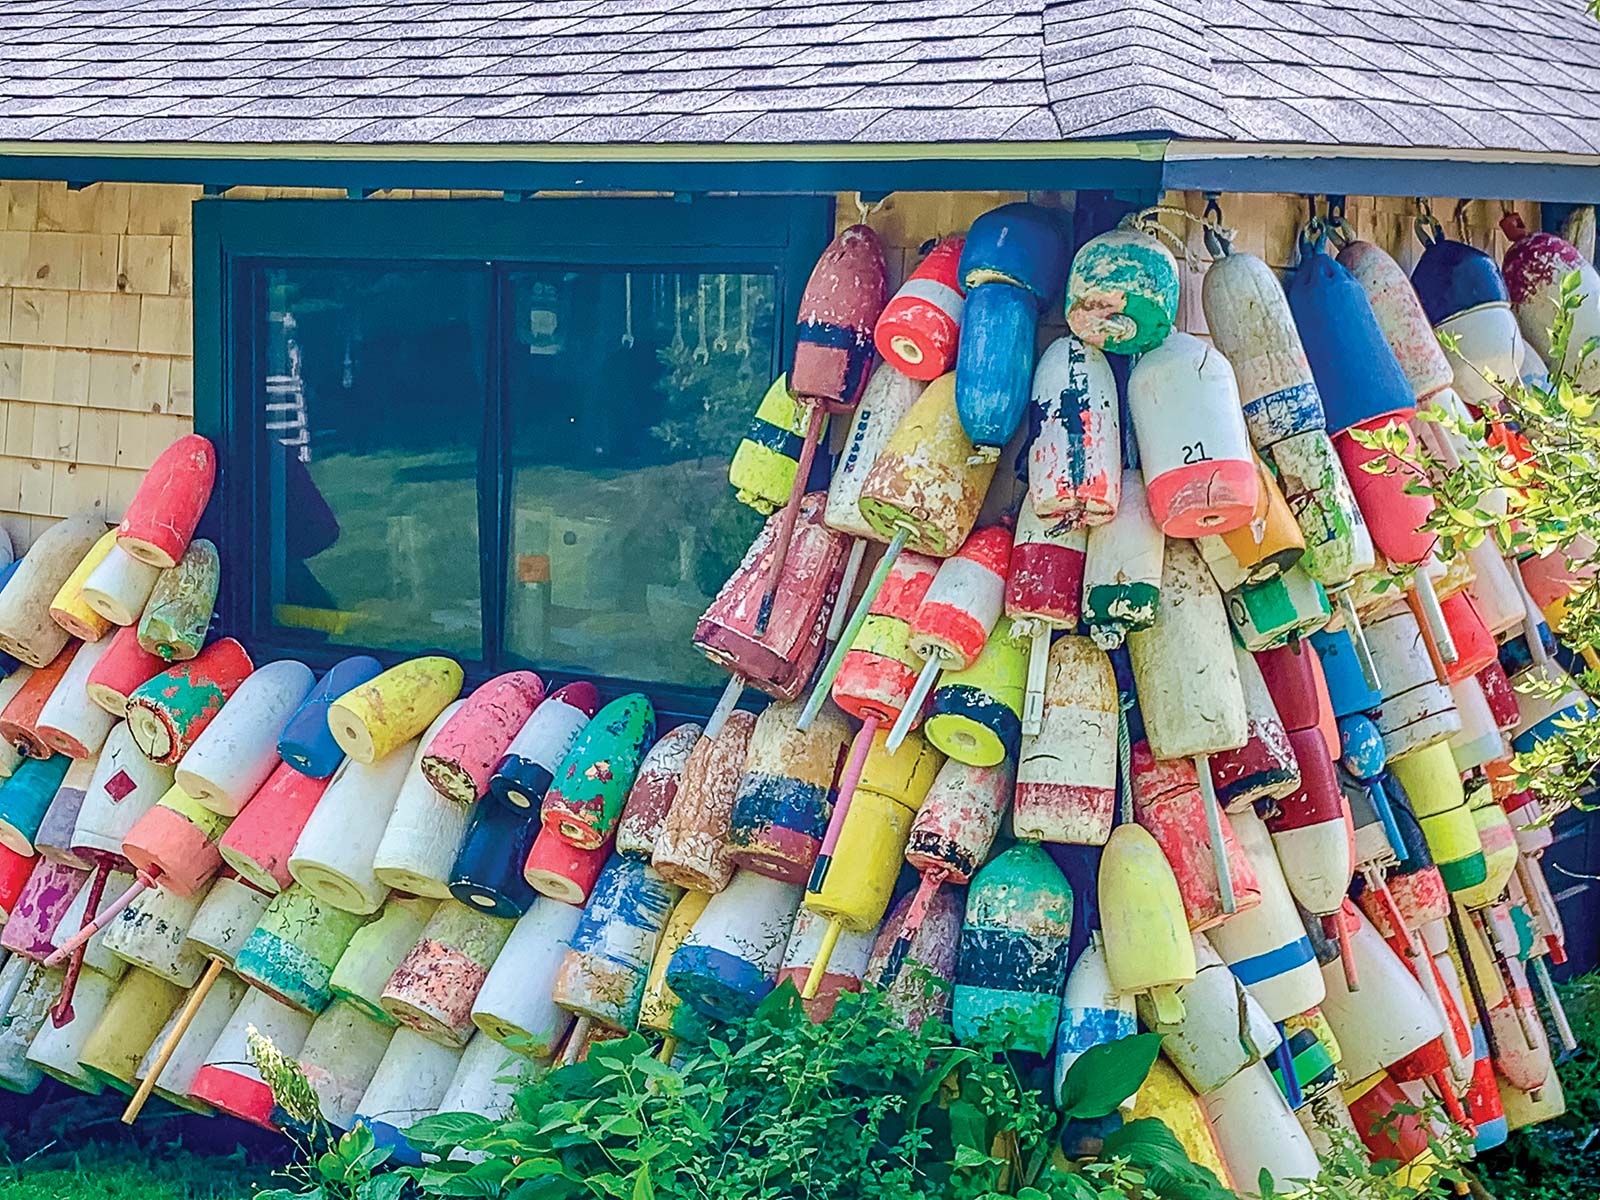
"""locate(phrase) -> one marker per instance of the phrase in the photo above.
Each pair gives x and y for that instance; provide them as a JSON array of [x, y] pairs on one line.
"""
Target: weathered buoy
[[918, 987], [229, 1080], [846, 962], [26, 630], [586, 797], [375, 950], [1389, 1018], [523, 774], [1536, 266], [25, 799], [692, 850], [654, 787], [558, 869], [238, 751], [1312, 835], [1265, 765], [54, 838], [1257, 1132], [1165, 1096], [1067, 775], [1075, 458], [125, 785], [1417, 710], [729, 961], [334, 855], [175, 843], [1465, 296], [131, 1021], [514, 1006], [1223, 1030], [764, 462], [1434, 790], [994, 364], [1044, 593], [602, 976], [780, 811], [1248, 317], [307, 744], [96, 957], [1122, 294], [226, 918], [19, 719], [175, 1077], [1020, 244], [434, 987], [410, 1081], [1480, 739], [1262, 549], [152, 933], [488, 868], [1093, 1013], [55, 1048], [1400, 316], [259, 842], [976, 713], [1553, 701], [660, 1010], [1148, 948], [339, 1058], [419, 844], [1122, 568], [1348, 690], [486, 1082], [294, 947], [168, 712], [161, 517], [174, 623], [119, 585], [69, 609], [1267, 947], [378, 716], [461, 757], [119, 671], [31, 990], [1338, 544], [920, 328], [1012, 963], [1193, 446], [69, 722]]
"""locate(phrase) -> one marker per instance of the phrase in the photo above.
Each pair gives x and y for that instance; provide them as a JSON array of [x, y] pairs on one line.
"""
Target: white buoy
[[514, 1007], [1223, 1030], [1092, 1011], [119, 587], [409, 1083], [189, 1055], [235, 753], [223, 922], [1067, 776], [31, 991], [228, 1079], [419, 843], [1417, 710], [125, 786], [1257, 1131], [333, 858], [70, 723], [55, 1049], [153, 933], [341, 1054], [486, 1080], [1389, 1018]]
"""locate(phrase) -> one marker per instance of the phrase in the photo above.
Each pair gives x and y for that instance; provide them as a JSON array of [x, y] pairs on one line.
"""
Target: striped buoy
[[514, 1006], [1012, 963], [846, 961], [692, 850], [1311, 832], [461, 757], [334, 855], [238, 751], [1193, 447], [341, 1054], [842, 301], [1223, 1030], [228, 1080], [655, 785], [1093, 1013], [1257, 1131], [1067, 774], [1122, 568], [486, 1084], [954, 830], [226, 918], [307, 744], [1338, 544], [411, 1079], [729, 962], [177, 615], [919, 329], [1465, 296], [1075, 458], [976, 713], [488, 871], [780, 811], [1148, 948], [878, 672], [1248, 317], [259, 842], [764, 462], [994, 364], [176, 842], [1263, 548], [424, 832], [1417, 710], [379, 716], [919, 986], [435, 985], [169, 712], [1044, 593], [210, 1018], [1122, 294], [19, 720], [1264, 767], [524, 774], [1480, 739], [1555, 699], [294, 948], [1433, 788], [375, 950], [32, 991], [661, 1011], [1024, 245], [1389, 1018], [602, 976]]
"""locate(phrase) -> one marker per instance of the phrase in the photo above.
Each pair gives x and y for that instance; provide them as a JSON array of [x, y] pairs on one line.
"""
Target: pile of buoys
[[403, 881]]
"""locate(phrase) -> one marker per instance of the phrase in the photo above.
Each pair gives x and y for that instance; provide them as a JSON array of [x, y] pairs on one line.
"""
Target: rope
[[1125, 757], [1145, 221]]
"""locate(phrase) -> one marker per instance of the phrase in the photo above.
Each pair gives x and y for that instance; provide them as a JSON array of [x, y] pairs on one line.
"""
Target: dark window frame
[[778, 235]]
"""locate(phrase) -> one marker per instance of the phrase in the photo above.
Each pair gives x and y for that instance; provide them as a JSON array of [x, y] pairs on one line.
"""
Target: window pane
[[628, 392], [373, 399]]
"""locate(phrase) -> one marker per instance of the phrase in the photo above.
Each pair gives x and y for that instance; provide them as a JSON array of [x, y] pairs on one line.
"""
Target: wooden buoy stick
[[726, 703], [1358, 636], [1432, 616], [1558, 1013], [913, 706], [142, 884], [575, 1040], [61, 1015], [858, 617], [841, 808], [911, 924], [669, 1047], [1219, 847], [819, 968], [1452, 1103], [847, 584], [1334, 926], [179, 1028], [1038, 669], [791, 510]]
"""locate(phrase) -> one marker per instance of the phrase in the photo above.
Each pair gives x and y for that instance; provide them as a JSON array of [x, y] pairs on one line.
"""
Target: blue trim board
[[1386, 177]]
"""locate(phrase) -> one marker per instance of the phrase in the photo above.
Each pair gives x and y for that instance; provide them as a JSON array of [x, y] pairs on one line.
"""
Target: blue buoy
[[307, 745], [994, 363], [1020, 244]]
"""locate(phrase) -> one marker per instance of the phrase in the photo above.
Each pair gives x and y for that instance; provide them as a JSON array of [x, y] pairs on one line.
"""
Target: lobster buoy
[[655, 786], [514, 1006], [919, 988], [1480, 739], [1122, 568], [1075, 458], [1147, 941], [1433, 788], [994, 365], [1250, 322], [919, 329], [295, 946], [1122, 293], [1012, 963], [1257, 1132], [1348, 689], [341, 1054], [729, 962], [1400, 316], [163, 514], [1287, 607], [1338, 543], [423, 835], [307, 744], [1093, 1013], [175, 620], [377, 717], [524, 774], [238, 752], [1311, 832], [1357, 374], [1067, 774], [1269, 544], [1193, 446], [411, 1079], [1020, 244], [259, 842], [1166, 1096], [845, 965], [1390, 1018], [1223, 1030], [1044, 592], [780, 811], [489, 865], [660, 1010], [228, 1079], [602, 977], [585, 799], [1417, 710], [459, 760], [1265, 765], [976, 713], [692, 850], [765, 461], [435, 986], [842, 301], [1465, 297], [1536, 266]]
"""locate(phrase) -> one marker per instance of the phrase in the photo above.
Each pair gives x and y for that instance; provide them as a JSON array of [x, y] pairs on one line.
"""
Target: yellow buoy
[[1165, 1096], [1148, 946], [385, 713]]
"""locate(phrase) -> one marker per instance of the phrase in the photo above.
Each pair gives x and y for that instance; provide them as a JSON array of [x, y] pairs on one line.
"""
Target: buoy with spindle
[[119, 671], [1122, 293], [341, 1054], [259, 842], [1363, 755], [19, 720], [1122, 567], [130, 1023], [175, 620], [434, 987], [68, 609], [424, 832], [976, 713], [293, 949], [1044, 593], [1465, 297], [923, 492], [1147, 942], [515, 1006], [1075, 458], [1067, 774], [730, 960], [1389, 1019], [168, 712], [307, 743], [166, 508], [229, 1080], [118, 587], [955, 617], [1264, 767], [872, 840], [69, 722], [1417, 710], [924, 975], [692, 850], [238, 751], [1536, 266], [375, 950], [762, 469], [781, 808], [26, 631], [461, 757], [1167, 802], [376, 717], [1223, 1029], [847, 962], [334, 856], [178, 1052], [1189, 688]]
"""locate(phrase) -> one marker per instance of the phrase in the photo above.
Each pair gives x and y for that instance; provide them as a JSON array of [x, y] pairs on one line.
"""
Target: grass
[[109, 1173]]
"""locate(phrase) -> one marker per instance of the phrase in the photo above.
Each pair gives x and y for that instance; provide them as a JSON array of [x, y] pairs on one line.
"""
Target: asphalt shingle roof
[[1452, 74]]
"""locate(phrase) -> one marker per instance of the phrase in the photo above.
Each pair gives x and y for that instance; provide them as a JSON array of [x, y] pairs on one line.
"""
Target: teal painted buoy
[[586, 797], [1122, 295]]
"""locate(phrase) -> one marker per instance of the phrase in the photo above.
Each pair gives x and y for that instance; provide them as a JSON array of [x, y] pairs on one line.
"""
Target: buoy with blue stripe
[[729, 961], [780, 812], [1122, 567], [976, 713], [1092, 1011], [1188, 684], [1122, 293], [1067, 777], [1013, 958], [919, 988], [1075, 458], [764, 463], [956, 616], [1248, 317], [1147, 941], [994, 365], [920, 328], [1223, 1030], [1044, 593], [524, 774], [1264, 767], [1465, 297], [1267, 947]]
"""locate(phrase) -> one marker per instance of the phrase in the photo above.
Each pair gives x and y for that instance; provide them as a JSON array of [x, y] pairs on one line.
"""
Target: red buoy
[[163, 514], [919, 329]]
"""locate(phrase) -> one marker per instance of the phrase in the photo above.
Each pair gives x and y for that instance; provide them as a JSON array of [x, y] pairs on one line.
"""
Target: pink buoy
[[462, 756]]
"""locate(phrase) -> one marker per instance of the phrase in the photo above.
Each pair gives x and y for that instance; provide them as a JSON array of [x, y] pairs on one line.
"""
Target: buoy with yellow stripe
[[976, 713], [1269, 544]]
